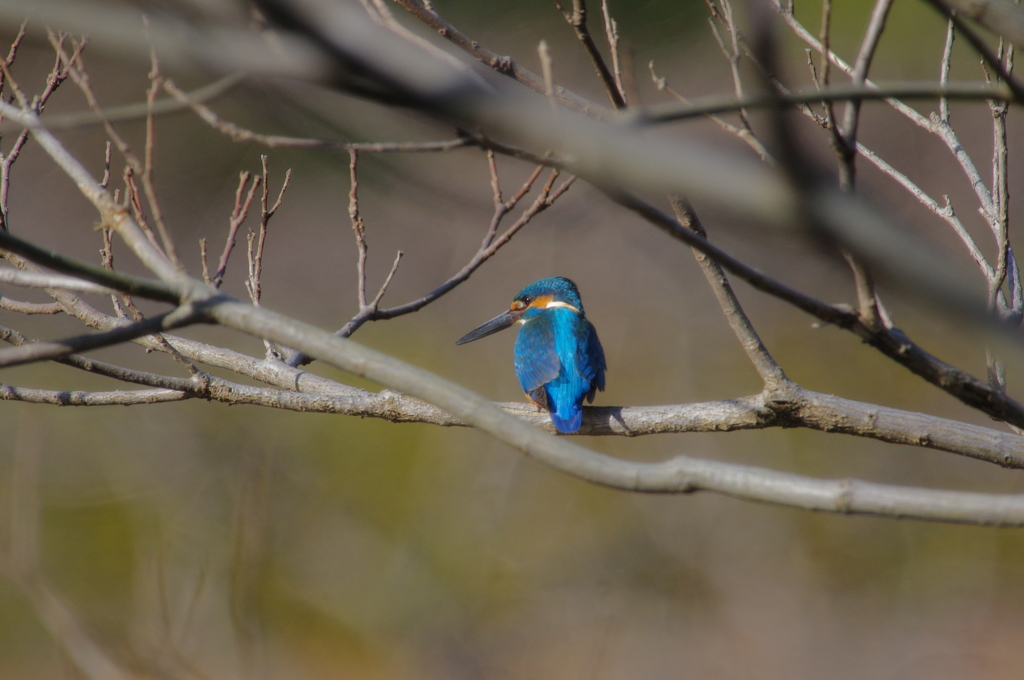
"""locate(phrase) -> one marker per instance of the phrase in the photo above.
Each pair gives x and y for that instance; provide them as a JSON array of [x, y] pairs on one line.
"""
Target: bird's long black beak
[[498, 323]]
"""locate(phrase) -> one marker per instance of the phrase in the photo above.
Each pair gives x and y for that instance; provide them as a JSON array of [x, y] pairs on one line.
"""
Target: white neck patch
[[556, 303]]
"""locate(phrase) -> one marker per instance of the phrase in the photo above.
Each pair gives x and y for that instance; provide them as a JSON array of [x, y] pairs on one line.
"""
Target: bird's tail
[[568, 418]]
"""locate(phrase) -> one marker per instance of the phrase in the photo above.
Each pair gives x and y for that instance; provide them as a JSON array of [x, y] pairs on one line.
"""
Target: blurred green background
[[197, 540]]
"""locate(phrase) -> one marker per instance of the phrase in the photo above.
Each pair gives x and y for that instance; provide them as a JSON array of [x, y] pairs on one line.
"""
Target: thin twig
[[147, 168], [746, 135], [58, 74], [240, 134], [771, 373], [732, 54], [139, 111], [489, 246], [888, 92], [243, 201], [577, 19], [611, 31], [501, 64], [358, 229], [267, 211], [46, 351], [947, 59], [824, 36], [860, 73]]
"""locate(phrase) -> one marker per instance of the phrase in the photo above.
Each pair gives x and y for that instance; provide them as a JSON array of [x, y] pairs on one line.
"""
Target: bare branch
[[503, 65], [860, 70], [732, 53], [30, 307], [358, 229], [147, 169], [238, 215], [240, 134], [577, 18], [137, 166], [888, 340], [745, 134], [37, 280], [98, 275], [57, 76], [611, 31], [79, 398], [773, 376], [792, 407], [1003, 17], [678, 475], [43, 351], [387, 281], [947, 58], [888, 92], [488, 248], [119, 114], [547, 70]]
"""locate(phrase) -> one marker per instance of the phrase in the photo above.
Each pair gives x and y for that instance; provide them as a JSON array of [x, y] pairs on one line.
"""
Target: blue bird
[[558, 358]]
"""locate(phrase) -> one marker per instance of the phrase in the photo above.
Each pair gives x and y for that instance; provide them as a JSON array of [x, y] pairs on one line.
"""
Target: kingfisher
[[558, 358]]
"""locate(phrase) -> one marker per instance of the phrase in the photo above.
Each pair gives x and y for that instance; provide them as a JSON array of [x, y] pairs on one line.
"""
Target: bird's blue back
[[559, 361]]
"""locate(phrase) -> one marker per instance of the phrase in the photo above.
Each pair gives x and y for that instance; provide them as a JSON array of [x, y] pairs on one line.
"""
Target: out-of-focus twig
[[240, 134], [503, 65], [745, 134], [119, 114]]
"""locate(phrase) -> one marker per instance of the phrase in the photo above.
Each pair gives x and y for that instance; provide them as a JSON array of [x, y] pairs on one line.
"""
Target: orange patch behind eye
[[542, 301]]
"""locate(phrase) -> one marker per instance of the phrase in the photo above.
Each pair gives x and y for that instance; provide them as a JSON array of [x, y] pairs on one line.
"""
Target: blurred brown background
[[195, 540]]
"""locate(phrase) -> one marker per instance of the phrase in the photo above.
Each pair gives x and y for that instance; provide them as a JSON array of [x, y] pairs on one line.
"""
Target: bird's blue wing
[[536, 360], [560, 362], [590, 358]]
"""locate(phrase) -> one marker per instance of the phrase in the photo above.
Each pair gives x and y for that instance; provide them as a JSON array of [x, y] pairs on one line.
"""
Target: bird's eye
[[527, 300]]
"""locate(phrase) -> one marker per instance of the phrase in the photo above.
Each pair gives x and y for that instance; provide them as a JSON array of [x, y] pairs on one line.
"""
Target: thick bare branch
[[678, 475]]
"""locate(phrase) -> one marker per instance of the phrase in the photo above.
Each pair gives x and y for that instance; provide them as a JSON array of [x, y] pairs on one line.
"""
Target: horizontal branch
[[132, 111], [132, 285], [80, 398], [615, 159], [720, 477], [705, 106], [25, 279], [240, 134], [679, 475], [891, 342], [45, 351], [792, 407], [29, 307]]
